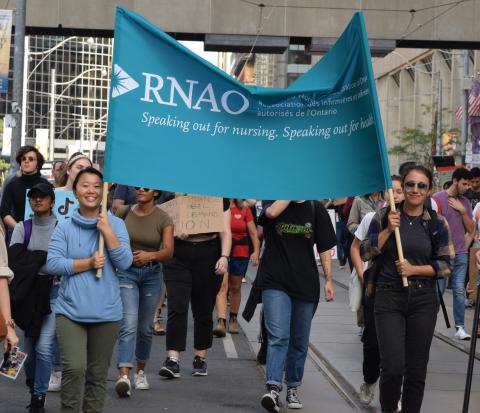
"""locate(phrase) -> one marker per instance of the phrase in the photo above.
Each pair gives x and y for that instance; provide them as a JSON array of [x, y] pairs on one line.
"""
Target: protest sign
[[65, 204], [172, 111], [193, 214]]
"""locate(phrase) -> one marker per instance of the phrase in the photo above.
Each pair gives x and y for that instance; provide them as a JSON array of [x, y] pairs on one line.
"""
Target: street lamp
[[53, 101], [27, 76]]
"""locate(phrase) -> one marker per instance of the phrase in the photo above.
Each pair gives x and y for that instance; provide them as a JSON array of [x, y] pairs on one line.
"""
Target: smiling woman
[[405, 319], [88, 309]]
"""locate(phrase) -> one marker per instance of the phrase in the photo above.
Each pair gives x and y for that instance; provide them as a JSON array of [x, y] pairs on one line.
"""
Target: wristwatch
[[225, 256], [10, 323]]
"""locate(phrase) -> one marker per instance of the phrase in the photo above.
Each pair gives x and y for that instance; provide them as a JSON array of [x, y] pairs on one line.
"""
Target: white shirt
[[362, 230]]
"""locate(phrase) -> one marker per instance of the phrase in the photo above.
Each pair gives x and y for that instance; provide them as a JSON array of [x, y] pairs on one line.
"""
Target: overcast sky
[[197, 47]]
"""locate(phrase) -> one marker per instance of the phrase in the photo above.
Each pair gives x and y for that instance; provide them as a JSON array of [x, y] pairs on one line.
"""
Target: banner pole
[[397, 234], [101, 240], [471, 355]]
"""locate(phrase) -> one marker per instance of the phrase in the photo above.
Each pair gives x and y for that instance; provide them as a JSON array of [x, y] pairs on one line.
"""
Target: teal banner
[[178, 123]]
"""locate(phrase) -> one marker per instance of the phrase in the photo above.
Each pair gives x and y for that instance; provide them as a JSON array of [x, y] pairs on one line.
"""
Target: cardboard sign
[[194, 214], [65, 204]]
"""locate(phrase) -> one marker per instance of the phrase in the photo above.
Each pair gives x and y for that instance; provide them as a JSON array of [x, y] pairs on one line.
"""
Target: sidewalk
[[334, 337]]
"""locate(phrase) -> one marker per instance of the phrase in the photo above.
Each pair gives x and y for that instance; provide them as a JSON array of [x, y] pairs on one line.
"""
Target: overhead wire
[[260, 26], [431, 20], [291, 6]]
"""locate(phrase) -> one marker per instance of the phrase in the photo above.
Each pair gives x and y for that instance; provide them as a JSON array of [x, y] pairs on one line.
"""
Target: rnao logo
[[169, 92]]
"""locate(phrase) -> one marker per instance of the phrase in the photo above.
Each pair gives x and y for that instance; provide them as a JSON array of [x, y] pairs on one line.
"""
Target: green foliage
[[415, 145]]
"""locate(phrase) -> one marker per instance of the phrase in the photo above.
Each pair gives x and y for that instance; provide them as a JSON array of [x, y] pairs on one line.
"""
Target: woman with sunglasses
[[151, 239], [12, 208], [405, 317]]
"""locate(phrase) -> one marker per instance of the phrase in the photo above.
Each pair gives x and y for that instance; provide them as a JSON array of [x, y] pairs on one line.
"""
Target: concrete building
[[411, 83]]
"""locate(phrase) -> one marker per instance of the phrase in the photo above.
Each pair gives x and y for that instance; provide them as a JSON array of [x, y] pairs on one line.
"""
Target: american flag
[[473, 102]]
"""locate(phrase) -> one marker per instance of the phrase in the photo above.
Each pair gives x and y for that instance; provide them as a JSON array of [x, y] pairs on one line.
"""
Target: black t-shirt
[[288, 262], [417, 248], [473, 197]]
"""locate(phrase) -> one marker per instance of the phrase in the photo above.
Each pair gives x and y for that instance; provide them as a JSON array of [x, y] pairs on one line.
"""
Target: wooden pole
[[101, 240], [397, 234]]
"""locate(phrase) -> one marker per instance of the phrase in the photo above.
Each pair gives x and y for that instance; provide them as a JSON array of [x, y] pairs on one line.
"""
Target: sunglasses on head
[[422, 186], [141, 187], [28, 158]]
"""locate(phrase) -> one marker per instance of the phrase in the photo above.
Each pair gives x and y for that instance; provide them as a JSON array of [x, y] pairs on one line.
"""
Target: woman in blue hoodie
[[88, 309]]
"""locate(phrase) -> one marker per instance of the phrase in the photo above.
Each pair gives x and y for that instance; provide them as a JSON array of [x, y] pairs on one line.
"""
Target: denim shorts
[[238, 266]]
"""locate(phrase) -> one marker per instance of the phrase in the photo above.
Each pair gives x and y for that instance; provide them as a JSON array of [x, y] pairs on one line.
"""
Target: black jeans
[[405, 320], [190, 277], [371, 355]]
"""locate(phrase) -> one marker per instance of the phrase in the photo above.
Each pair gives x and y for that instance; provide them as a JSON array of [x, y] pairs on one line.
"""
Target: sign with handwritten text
[[65, 204], [194, 214]]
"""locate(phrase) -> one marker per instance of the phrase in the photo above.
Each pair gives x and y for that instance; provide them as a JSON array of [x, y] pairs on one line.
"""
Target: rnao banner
[[178, 123]]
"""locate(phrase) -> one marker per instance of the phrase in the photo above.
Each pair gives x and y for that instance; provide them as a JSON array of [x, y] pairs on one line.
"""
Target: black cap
[[43, 188]]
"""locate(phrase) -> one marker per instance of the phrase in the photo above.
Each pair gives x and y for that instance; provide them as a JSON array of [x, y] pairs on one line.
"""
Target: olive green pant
[[86, 349]]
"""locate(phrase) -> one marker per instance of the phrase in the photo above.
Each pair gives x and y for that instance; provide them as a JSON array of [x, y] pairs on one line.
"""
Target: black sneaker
[[293, 401], [199, 367], [170, 369], [37, 404], [271, 400]]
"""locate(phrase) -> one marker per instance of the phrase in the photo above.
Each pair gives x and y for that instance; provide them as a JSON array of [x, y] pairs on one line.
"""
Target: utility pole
[[53, 86], [18, 62], [438, 148], [465, 93]]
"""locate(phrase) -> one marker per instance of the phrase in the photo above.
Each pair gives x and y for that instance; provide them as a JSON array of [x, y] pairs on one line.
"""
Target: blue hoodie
[[82, 297]]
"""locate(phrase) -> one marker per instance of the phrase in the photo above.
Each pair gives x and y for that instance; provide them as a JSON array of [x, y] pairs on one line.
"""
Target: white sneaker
[[123, 386], [367, 392], [55, 383], [140, 380], [461, 334]]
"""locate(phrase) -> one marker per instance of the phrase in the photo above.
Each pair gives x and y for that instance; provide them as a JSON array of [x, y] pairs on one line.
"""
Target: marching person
[[58, 168], [361, 206], [34, 235], [457, 210], [12, 207], [405, 317], [243, 228], [289, 280], [371, 356], [76, 163], [88, 309], [151, 239], [194, 274], [6, 276]]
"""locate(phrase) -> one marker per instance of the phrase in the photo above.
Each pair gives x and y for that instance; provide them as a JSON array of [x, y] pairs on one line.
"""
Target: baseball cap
[[43, 188]]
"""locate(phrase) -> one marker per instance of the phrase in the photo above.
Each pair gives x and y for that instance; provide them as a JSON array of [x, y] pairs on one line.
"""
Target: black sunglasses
[[422, 186], [141, 187]]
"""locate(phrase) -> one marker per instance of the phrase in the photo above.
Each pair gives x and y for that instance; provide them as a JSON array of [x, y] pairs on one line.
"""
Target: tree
[[415, 145]]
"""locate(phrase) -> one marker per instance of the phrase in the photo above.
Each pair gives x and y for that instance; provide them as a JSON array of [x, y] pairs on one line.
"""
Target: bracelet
[[226, 257], [10, 323]]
